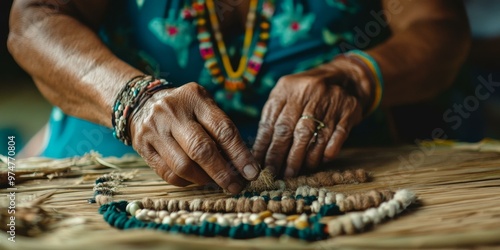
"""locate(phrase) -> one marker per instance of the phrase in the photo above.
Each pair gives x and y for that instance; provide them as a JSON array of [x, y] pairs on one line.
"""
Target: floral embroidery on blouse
[[331, 38], [175, 32], [292, 24]]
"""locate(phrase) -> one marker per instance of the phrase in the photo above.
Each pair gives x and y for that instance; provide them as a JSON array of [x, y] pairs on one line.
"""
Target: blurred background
[[23, 111]]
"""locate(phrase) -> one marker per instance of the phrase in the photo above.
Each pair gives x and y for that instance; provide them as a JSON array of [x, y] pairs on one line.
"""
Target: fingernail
[[250, 171], [289, 172], [234, 188]]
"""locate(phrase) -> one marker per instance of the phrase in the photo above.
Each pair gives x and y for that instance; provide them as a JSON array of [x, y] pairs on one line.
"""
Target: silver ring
[[321, 125]]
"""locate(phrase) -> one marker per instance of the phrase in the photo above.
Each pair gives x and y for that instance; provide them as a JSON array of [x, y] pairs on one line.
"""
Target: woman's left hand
[[308, 117]]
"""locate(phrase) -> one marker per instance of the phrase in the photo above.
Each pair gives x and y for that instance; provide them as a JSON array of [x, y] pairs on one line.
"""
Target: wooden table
[[458, 190]]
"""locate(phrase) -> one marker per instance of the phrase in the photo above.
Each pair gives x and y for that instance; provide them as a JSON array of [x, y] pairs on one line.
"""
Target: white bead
[[302, 217], [357, 220], [162, 214], [143, 215], [313, 192], [236, 222], [321, 200], [133, 208], [328, 200], [245, 220], [322, 192], [167, 220], [190, 221], [230, 216], [269, 220], [281, 222], [279, 216], [137, 212], [152, 213], [315, 207], [339, 197], [222, 222], [205, 216], [254, 217]]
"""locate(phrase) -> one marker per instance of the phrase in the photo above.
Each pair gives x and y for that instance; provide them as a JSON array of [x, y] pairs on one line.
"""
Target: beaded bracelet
[[133, 95], [375, 75]]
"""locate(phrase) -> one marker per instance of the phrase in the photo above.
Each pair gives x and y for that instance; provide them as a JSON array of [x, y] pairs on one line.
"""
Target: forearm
[[70, 65], [421, 61]]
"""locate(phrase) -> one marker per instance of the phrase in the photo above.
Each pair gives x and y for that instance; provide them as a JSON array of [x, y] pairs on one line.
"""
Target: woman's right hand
[[186, 138]]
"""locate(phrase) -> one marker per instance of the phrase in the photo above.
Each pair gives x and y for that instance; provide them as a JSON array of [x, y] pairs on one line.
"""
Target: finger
[[157, 163], [171, 178], [226, 135], [269, 116], [326, 112], [201, 148], [304, 136], [179, 162], [352, 115], [337, 139], [283, 137]]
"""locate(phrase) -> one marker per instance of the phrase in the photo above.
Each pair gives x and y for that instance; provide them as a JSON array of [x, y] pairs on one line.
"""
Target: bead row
[[310, 201], [266, 180], [249, 225]]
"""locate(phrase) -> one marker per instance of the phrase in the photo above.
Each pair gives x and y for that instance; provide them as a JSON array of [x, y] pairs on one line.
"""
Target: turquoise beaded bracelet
[[376, 72], [131, 98]]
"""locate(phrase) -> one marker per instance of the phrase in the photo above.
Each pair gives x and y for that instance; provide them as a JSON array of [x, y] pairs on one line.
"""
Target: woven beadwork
[[298, 212]]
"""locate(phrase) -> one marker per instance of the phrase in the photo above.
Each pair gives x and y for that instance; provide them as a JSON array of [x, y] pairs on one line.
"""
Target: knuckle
[[226, 131], [303, 133], [202, 149], [284, 130], [182, 167], [195, 88], [265, 127], [284, 80]]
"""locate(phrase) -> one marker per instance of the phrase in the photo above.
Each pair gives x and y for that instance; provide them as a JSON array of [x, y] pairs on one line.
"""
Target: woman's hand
[[186, 138], [291, 132]]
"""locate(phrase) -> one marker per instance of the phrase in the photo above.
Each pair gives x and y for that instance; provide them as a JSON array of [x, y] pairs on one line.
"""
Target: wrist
[[365, 75], [130, 99]]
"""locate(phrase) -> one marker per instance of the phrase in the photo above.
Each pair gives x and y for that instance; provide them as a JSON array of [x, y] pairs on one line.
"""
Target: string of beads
[[306, 200], [293, 208], [250, 225]]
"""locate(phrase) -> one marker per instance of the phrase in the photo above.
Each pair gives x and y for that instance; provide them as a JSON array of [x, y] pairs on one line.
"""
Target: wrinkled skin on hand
[[186, 138], [331, 94]]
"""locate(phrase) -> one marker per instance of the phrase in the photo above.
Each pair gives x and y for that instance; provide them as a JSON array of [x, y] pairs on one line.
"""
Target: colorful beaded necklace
[[251, 58]]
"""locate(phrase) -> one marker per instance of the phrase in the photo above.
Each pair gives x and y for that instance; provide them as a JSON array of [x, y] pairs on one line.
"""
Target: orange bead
[[220, 79], [215, 71]]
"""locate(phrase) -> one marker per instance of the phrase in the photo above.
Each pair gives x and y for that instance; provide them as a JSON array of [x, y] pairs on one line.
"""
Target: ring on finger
[[321, 125]]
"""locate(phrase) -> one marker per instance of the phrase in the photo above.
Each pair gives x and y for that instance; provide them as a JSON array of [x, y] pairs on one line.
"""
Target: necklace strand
[[251, 59]]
